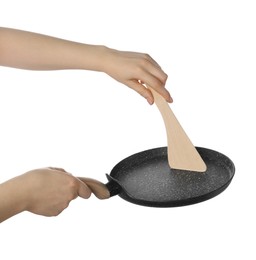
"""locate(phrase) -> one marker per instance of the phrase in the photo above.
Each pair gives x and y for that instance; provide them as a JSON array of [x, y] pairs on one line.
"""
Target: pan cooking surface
[[147, 179]]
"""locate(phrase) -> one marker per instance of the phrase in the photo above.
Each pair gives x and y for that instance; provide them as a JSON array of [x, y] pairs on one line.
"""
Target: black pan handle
[[113, 186], [101, 190]]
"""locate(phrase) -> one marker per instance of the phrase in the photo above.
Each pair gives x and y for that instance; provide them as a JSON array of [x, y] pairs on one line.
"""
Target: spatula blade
[[182, 154]]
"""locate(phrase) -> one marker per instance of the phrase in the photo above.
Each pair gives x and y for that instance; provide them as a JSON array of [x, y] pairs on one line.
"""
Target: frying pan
[[146, 179]]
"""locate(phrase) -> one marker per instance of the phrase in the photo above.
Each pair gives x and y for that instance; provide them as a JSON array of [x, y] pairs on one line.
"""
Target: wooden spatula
[[181, 152]]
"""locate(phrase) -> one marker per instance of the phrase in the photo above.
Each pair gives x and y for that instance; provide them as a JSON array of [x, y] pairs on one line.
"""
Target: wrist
[[93, 57], [107, 59]]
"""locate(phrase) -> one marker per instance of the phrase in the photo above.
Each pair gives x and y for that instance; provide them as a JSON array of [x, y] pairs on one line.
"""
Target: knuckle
[[57, 212], [144, 62], [165, 77], [65, 204], [72, 184], [138, 70], [146, 56], [61, 207]]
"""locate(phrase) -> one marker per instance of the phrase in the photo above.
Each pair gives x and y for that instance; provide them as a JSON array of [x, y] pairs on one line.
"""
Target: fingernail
[[150, 101], [170, 100]]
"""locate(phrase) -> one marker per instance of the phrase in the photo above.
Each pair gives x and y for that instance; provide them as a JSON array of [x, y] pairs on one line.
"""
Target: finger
[[152, 67], [156, 84], [149, 58], [83, 190], [98, 188], [165, 93], [142, 90]]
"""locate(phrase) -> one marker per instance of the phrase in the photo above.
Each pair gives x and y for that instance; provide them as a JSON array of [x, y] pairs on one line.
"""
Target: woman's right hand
[[137, 71]]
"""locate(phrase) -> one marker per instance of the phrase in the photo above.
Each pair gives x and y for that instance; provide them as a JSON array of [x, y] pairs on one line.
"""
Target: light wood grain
[[182, 154]]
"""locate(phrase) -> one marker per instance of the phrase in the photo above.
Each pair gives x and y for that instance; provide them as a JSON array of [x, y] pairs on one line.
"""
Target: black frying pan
[[146, 179]]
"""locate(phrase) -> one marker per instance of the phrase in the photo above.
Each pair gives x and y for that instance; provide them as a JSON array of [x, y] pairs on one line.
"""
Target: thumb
[[83, 190]]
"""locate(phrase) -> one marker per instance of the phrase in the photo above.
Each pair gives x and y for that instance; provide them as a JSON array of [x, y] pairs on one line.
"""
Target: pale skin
[[48, 191]]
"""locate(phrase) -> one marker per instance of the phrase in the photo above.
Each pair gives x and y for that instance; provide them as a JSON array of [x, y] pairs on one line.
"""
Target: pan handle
[[101, 190], [113, 186]]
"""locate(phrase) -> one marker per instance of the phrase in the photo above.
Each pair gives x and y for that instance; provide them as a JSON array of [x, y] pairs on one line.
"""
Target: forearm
[[11, 199], [26, 50]]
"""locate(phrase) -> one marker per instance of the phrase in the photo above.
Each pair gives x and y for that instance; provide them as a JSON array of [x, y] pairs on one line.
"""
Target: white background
[[86, 122]]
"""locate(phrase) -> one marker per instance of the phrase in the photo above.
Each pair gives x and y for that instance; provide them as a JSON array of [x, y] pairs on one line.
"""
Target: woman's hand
[[46, 191], [136, 70]]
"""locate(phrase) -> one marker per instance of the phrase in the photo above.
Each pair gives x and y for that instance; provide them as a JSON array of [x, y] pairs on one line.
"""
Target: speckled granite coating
[[146, 179]]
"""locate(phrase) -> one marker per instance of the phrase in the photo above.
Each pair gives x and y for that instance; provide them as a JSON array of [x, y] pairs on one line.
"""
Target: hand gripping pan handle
[[101, 190]]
